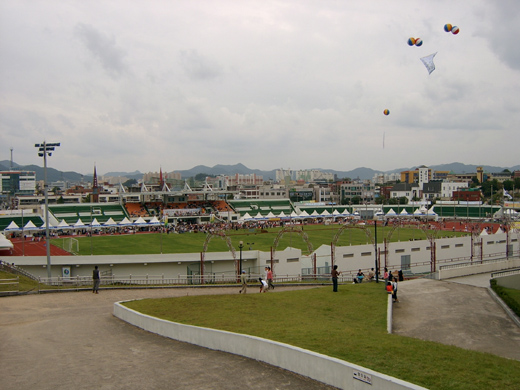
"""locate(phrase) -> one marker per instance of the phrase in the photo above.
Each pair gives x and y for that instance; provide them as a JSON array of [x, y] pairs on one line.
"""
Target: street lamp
[[240, 246], [45, 149]]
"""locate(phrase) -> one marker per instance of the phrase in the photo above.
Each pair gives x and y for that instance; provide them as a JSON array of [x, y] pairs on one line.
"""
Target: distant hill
[[361, 173]]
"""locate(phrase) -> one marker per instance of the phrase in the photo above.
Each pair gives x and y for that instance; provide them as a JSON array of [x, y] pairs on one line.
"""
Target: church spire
[[95, 188]]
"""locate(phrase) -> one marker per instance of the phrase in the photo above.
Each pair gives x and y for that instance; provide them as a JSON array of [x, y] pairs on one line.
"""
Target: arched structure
[[222, 234], [290, 229]]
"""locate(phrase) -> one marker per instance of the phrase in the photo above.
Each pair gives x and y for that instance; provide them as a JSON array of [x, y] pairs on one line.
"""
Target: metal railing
[[5, 286], [508, 272], [472, 263]]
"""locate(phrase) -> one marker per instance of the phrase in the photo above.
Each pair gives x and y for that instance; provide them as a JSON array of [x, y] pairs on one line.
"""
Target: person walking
[[270, 279], [335, 274], [96, 279], [243, 279], [394, 291]]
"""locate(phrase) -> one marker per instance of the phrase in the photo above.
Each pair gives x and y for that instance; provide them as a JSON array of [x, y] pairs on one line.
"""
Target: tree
[[202, 176], [60, 200], [129, 183]]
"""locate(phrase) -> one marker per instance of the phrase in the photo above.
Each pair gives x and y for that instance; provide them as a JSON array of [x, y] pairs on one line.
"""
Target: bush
[[506, 296]]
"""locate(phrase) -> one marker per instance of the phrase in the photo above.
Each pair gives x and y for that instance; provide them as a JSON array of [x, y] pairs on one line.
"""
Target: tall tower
[[480, 174], [95, 188]]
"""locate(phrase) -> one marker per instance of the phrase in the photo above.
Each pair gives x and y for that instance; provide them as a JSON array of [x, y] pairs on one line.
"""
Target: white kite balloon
[[428, 62]]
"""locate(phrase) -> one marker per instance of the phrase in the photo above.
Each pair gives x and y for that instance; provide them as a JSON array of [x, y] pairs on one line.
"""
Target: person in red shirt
[[270, 278]]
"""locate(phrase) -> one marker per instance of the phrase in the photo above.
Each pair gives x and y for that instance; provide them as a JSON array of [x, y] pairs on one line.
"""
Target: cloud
[[199, 67], [103, 48]]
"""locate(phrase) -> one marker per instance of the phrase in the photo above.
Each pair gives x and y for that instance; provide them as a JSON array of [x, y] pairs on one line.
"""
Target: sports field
[[254, 239]]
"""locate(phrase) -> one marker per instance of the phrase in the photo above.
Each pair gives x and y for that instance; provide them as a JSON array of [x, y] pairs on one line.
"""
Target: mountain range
[[358, 173]]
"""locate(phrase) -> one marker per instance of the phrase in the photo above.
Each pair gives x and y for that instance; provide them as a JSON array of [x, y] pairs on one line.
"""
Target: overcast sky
[[143, 85]]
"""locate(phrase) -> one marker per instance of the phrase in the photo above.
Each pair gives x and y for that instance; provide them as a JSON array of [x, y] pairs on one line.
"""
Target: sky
[[129, 85]]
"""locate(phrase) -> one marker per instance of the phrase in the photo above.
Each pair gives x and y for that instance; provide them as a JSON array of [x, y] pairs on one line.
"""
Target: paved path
[[72, 341], [458, 312]]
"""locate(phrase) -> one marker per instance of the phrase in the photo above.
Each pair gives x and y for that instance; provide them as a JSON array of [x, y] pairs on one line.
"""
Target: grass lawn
[[154, 243], [24, 283], [349, 325]]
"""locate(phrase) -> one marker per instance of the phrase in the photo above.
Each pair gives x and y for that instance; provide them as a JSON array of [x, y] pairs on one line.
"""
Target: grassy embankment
[[349, 325]]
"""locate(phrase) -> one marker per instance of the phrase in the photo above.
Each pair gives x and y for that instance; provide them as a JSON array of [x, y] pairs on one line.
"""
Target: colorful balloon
[[448, 27], [455, 30], [411, 41], [418, 42], [386, 111]]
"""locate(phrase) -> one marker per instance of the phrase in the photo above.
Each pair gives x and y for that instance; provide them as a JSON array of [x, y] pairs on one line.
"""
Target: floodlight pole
[[44, 149], [240, 246]]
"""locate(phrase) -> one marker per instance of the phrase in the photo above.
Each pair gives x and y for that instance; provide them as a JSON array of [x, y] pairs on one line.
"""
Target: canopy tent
[[12, 227], [391, 213], [140, 222], [44, 226], [304, 214], [110, 223], [5, 244], [294, 215], [270, 215], [282, 215], [95, 223], [345, 213], [154, 221], [63, 225], [125, 222], [315, 214], [79, 224], [325, 213], [259, 216], [30, 226], [246, 217]]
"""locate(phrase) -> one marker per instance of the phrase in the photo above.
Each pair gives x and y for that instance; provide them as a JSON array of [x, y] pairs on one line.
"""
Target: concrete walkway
[[72, 341], [457, 312]]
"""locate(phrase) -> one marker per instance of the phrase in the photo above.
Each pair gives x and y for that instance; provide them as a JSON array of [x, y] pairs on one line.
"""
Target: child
[[263, 285]]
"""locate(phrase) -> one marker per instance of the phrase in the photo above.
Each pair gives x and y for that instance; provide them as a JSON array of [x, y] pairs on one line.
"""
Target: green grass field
[[349, 325], [154, 243]]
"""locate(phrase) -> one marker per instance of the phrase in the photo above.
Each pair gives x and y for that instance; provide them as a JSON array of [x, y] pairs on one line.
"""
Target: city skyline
[[302, 85]]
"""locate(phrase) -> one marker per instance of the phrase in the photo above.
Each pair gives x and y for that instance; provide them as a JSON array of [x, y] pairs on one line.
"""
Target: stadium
[[443, 236]]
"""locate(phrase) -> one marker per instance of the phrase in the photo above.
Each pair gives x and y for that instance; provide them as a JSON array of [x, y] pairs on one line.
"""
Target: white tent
[[325, 213], [95, 223], [63, 225], [154, 221], [259, 216], [484, 232], [125, 222], [282, 215], [270, 215], [294, 215], [304, 214], [336, 213], [391, 213], [44, 226], [315, 214], [345, 212], [140, 222], [246, 217], [79, 224], [12, 226], [404, 213], [30, 226], [110, 222], [5, 243]]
